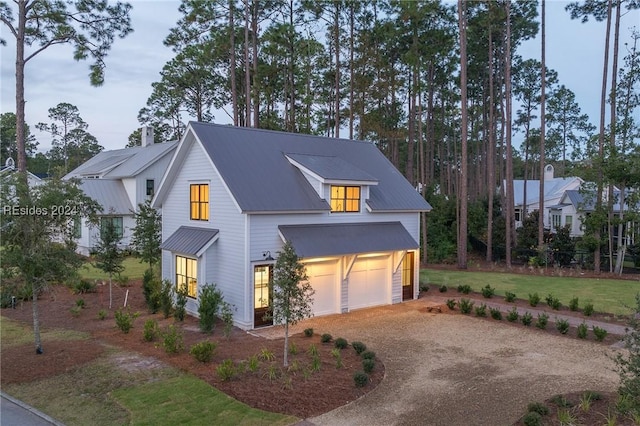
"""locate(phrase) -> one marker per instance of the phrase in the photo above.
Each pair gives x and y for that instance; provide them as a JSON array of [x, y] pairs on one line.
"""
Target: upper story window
[[150, 187], [345, 199], [199, 201]]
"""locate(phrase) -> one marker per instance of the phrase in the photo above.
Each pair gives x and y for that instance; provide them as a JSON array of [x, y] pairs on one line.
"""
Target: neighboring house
[[574, 205], [10, 167], [554, 188], [231, 197], [119, 180]]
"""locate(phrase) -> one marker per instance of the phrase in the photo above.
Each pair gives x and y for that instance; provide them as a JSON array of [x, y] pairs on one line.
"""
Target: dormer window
[[345, 199]]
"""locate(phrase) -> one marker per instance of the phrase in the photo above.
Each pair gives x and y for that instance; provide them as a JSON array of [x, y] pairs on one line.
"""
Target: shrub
[[308, 332], [124, 320], [496, 314], [573, 304], [466, 305], [368, 355], [526, 319], [600, 333], [538, 407], [451, 304], [203, 351], [359, 347], [80, 303], [165, 298], [102, 314], [509, 297], [226, 370], [481, 311], [151, 291], [360, 378], [313, 350], [488, 291], [75, 311], [561, 401], [542, 321], [180, 311], [226, 314], [266, 355], [122, 280], [628, 364], [562, 326], [582, 331], [172, 340], [326, 338], [588, 309], [253, 363], [210, 302], [293, 349], [534, 299], [532, 419], [341, 343], [424, 287], [337, 355], [443, 288], [368, 365], [554, 302], [150, 331], [513, 316], [464, 288], [315, 363], [83, 286]]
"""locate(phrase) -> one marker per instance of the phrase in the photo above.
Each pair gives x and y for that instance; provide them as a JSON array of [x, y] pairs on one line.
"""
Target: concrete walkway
[[14, 412]]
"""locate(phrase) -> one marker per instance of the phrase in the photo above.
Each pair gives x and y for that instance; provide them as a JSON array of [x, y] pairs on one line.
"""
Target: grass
[[607, 295], [132, 269], [104, 392]]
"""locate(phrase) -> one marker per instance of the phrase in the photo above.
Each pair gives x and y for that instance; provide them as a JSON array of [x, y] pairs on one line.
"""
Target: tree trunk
[[612, 127], [286, 344], [232, 63], [542, 132], [463, 187], [110, 292], [254, 79], [491, 178], [336, 36], [510, 229], [36, 320], [20, 113], [247, 73]]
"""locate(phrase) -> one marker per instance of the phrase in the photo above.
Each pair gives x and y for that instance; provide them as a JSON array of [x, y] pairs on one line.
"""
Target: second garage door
[[324, 280], [369, 282]]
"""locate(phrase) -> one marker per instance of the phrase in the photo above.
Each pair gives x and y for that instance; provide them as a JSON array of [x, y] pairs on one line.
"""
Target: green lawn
[[607, 295], [132, 269]]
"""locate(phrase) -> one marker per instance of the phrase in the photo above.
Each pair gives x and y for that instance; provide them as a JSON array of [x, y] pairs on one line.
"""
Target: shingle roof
[[255, 168], [190, 240], [109, 193], [347, 238]]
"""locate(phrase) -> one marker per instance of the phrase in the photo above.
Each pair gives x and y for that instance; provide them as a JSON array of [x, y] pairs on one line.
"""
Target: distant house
[[232, 196], [10, 167], [554, 189], [119, 180]]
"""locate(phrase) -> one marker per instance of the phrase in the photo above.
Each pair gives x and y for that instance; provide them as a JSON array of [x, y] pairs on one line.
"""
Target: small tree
[[628, 364], [109, 257], [147, 235], [292, 294]]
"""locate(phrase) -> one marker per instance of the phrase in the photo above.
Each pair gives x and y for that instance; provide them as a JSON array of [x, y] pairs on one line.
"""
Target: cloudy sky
[[574, 50]]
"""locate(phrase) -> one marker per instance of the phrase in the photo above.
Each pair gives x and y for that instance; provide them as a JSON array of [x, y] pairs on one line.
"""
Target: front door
[[262, 275], [407, 276]]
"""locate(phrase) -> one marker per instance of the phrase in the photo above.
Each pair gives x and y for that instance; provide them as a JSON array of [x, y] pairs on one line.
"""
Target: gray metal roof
[[254, 166], [122, 163], [109, 193], [347, 238], [331, 167], [190, 240]]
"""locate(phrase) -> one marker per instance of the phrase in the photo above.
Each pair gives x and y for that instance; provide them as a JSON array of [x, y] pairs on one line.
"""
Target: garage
[[324, 280], [369, 282]]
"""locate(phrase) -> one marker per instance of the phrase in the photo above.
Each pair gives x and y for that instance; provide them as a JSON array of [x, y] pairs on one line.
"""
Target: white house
[[554, 189], [231, 196], [119, 180], [10, 167]]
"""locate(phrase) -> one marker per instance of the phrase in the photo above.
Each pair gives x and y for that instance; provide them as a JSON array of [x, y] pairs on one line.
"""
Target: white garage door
[[323, 279], [369, 282]]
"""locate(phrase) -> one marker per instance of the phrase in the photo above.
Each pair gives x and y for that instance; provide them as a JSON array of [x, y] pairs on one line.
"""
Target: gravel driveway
[[457, 370]]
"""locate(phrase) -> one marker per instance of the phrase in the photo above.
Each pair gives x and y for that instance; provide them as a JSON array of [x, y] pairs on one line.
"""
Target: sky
[[575, 50]]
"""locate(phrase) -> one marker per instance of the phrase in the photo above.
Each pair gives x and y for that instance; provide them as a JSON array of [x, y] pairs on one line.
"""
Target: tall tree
[[147, 234], [463, 198], [543, 124], [292, 293], [109, 256], [89, 26], [510, 215]]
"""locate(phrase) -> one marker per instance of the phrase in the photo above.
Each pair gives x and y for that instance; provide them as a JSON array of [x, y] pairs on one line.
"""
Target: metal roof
[[254, 166], [331, 168], [109, 193], [190, 240], [347, 238]]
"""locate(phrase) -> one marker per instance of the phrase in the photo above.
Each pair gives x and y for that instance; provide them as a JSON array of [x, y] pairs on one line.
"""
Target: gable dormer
[[340, 183]]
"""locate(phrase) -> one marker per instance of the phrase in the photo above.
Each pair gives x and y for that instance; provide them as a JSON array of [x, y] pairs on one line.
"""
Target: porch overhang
[[339, 239]]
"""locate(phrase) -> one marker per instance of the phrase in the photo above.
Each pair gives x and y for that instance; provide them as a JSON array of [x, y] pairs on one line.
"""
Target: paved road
[[17, 413]]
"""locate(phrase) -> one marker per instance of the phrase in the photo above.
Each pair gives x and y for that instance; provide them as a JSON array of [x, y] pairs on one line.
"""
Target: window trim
[[202, 205], [190, 282], [347, 202]]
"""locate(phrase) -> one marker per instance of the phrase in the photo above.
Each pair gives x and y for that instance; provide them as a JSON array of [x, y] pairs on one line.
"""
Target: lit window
[[345, 198], [200, 201], [115, 221], [187, 275]]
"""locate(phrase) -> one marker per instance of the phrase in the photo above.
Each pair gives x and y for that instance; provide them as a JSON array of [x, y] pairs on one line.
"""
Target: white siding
[[224, 262], [91, 235], [153, 172]]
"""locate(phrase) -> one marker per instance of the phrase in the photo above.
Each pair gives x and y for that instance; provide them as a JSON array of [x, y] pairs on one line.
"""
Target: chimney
[[147, 136], [548, 172]]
